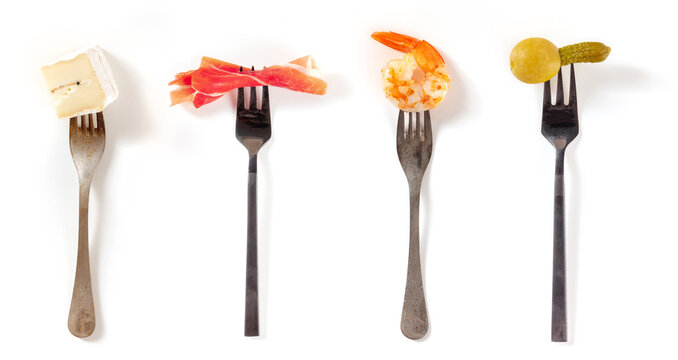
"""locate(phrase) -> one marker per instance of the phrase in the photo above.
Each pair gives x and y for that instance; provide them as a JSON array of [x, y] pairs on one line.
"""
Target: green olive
[[535, 60]]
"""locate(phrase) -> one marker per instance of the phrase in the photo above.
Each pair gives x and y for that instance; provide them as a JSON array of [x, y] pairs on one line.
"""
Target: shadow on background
[[594, 83], [447, 113], [598, 81], [126, 120]]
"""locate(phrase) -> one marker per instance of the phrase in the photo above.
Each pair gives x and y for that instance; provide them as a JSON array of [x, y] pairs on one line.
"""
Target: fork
[[414, 145], [252, 129], [560, 125], [87, 146]]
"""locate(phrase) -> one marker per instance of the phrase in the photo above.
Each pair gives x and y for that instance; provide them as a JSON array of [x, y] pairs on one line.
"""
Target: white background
[[169, 197]]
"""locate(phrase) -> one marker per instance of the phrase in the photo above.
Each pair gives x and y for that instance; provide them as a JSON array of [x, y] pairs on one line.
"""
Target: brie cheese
[[80, 83]]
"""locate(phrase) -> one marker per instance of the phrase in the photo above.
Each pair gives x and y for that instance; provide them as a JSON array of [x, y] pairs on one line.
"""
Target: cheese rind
[[81, 83]]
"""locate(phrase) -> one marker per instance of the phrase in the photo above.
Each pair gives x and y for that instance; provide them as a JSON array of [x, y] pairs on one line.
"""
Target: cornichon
[[583, 52]]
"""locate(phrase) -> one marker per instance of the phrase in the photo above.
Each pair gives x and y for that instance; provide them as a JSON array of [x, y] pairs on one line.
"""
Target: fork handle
[[559, 303], [251, 280], [414, 320], [81, 321]]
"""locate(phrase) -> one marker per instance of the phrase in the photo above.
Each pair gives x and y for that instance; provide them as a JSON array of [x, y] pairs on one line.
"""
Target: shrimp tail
[[396, 41], [426, 56]]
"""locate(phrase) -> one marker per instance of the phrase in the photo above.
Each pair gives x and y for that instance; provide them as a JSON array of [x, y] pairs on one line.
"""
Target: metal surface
[[253, 129], [560, 126], [414, 145], [87, 146]]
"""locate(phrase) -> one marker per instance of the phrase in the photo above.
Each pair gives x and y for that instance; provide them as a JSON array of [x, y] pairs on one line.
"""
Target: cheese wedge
[[80, 83]]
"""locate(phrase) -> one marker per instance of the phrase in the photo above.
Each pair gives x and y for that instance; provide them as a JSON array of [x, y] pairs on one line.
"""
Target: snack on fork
[[419, 80], [214, 78], [536, 60], [81, 83]]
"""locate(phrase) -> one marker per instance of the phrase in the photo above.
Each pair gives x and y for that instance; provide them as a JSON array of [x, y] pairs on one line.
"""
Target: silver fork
[[560, 125], [87, 146], [253, 129], [414, 145]]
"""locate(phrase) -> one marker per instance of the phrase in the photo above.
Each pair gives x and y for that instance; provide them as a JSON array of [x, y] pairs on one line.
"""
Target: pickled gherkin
[[583, 52]]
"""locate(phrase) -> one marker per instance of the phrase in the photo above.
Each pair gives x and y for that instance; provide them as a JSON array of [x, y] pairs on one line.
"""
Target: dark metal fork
[[560, 125], [252, 129], [414, 145]]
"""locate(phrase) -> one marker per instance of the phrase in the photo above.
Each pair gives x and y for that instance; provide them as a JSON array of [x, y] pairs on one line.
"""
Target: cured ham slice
[[215, 78]]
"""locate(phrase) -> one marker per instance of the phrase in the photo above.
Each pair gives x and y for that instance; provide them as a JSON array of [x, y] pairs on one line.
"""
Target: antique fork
[[87, 146], [560, 126], [253, 129], [414, 145]]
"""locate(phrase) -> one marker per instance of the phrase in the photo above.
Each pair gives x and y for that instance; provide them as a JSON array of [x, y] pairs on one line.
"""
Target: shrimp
[[417, 82]]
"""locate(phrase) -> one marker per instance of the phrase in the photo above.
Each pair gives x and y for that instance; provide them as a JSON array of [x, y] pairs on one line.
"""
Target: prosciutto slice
[[214, 78]]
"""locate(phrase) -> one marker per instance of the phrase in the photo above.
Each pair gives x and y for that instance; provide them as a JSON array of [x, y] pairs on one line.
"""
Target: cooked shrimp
[[419, 80]]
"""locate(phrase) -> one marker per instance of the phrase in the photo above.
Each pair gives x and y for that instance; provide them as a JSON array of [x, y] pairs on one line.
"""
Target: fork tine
[[264, 99], [428, 132], [100, 122], [547, 94], [410, 134], [400, 131], [90, 124], [417, 130], [240, 104], [241, 99], [253, 96], [73, 127], [560, 96], [573, 88]]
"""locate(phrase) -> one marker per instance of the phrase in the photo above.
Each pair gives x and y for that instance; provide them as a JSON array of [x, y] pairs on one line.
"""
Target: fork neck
[[253, 164], [415, 187], [560, 169], [85, 185], [85, 181], [560, 161]]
